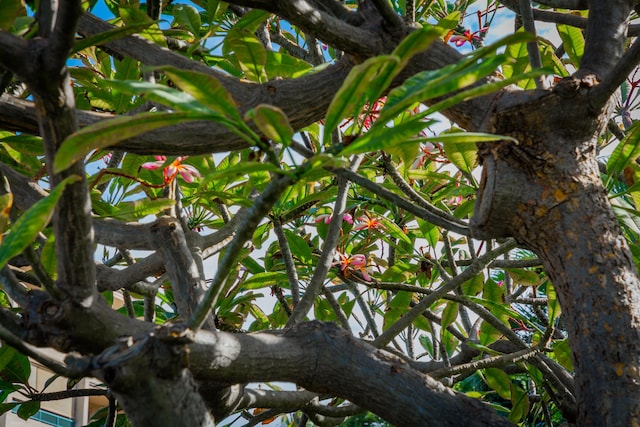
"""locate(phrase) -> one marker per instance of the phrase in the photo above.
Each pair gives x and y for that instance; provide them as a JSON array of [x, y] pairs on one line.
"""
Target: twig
[[287, 258], [244, 232], [403, 203], [426, 302], [328, 252]]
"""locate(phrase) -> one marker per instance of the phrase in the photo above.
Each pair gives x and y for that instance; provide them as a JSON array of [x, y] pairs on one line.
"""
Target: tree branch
[[605, 37], [245, 230], [368, 377], [328, 251]]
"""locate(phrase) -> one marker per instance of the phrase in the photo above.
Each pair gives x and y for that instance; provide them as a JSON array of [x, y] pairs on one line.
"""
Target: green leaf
[[381, 138], [6, 407], [524, 277], [251, 21], [273, 123], [498, 381], [299, 247], [573, 42], [473, 287], [134, 16], [282, 65], [392, 229], [130, 211], [127, 69], [426, 343], [188, 17], [416, 42], [553, 305], [9, 11], [6, 354], [170, 97], [262, 280], [625, 153], [563, 354], [28, 409], [462, 155], [519, 404], [249, 52], [18, 369], [206, 89], [110, 35], [450, 313], [362, 85], [33, 221], [109, 132], [435, 83]]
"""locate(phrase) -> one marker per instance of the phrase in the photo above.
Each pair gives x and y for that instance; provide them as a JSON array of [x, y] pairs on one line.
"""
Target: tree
[[307, 130]]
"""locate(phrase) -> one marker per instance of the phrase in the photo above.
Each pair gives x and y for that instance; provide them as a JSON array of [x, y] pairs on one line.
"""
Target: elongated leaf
[[485, 89], [358, 88], [188, 17], [299, 247], [498, 381], [625, 153], [416, 42], [251, 20], [380, 138], [461, 154], [28, 409], [392, 229], [573, 42], [167, 96], [206, 89], [6, 354], [262, 280], [110, 35], [273, 123], [450, 313], [9, 11], [133, 16], [32, 222], [110, 132], [249, 52], [137, 209], [519, 404], [562, 351], [282, 65], [435, 83]]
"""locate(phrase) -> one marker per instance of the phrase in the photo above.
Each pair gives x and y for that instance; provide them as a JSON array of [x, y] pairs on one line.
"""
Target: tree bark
[[546, 191]]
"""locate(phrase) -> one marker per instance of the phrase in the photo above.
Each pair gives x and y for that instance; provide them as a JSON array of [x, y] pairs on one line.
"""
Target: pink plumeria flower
[[358, 262], [326, 218], [467, 37], [367, 223], [187, 172]]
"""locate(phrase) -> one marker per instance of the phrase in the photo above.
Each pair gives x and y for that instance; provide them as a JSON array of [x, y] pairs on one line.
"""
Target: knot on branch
[[163, 354]]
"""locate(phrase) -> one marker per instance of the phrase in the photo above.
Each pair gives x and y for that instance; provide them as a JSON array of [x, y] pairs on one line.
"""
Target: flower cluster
[[187, 172], [350, 264]]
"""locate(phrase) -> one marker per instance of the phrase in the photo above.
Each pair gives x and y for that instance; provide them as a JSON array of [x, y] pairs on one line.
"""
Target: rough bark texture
[[547, 192]]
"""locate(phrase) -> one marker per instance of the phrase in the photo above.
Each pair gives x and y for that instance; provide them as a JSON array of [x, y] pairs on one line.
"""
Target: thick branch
[[366, 376]]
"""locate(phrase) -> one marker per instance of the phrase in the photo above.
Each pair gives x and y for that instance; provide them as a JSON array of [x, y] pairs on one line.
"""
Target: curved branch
[[601, 93], [366, 376], [321, 23]]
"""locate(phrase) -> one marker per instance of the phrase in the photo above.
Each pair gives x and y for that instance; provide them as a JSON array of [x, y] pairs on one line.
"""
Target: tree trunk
[[546, 191]]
